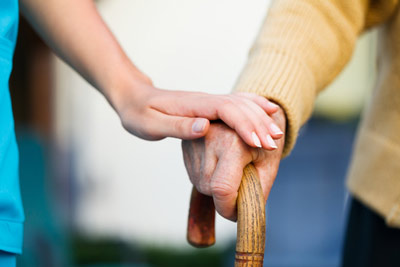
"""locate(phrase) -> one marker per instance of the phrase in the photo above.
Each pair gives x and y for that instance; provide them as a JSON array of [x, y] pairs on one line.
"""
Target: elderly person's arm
[[301, 48]]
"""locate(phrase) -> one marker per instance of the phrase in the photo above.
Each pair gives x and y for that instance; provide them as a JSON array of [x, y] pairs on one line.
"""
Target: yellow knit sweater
[[302, 46]]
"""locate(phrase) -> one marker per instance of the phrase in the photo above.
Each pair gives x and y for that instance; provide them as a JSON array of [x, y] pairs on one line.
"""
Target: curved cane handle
[[250, 242]]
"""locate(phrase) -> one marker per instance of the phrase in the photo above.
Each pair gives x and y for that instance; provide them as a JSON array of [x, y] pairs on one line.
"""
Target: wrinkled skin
[[215, 164]]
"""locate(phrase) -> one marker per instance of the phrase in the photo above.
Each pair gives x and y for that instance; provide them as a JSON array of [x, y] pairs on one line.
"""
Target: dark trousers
[[369, 242]]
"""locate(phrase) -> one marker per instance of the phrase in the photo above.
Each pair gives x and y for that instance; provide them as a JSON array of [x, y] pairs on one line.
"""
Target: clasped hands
[[215, 164], [250, 129]]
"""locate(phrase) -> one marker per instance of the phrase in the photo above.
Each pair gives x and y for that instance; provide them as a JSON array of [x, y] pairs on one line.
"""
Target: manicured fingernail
[[199, 125], [256, 140], [272, 104], [275, 129], [271, 142]]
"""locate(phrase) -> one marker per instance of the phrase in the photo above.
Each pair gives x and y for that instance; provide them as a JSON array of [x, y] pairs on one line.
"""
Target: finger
[[180, 127], [250, 122], [263, 102], [200, 164], [187, 104], [190, 160], [259, 121], [267, 165], [267, 174], [225, 184], [206, 170], [264, 122], [239, 119]]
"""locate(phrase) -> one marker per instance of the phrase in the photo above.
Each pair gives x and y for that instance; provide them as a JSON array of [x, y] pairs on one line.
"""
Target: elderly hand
[[215, 164]]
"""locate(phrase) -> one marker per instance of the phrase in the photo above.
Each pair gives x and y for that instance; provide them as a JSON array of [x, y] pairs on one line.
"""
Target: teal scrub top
[[11, 212]]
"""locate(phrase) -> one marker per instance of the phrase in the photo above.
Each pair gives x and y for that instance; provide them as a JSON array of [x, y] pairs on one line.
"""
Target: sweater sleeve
[[301, 47]]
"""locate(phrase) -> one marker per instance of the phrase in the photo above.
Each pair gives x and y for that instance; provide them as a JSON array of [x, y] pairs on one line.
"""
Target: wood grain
[[250, 243]]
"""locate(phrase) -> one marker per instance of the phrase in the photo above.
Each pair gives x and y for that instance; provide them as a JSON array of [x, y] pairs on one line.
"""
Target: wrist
[[126, 82]]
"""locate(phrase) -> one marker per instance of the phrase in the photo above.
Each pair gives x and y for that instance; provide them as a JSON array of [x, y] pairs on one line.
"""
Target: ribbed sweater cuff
[[285, 80]]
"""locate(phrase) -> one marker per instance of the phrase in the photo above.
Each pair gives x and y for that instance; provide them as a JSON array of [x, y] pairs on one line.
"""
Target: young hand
[[88, 46], [153, 114]]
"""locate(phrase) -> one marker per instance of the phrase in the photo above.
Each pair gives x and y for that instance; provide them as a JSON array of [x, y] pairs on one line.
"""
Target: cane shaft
[[250, 242]]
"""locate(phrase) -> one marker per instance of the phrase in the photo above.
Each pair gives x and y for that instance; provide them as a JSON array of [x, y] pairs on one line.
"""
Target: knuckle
[[236, 143], [227, 102], [240, 94], [203, 187], [256, 154], [221, 189], [177, 126], [145, 131]]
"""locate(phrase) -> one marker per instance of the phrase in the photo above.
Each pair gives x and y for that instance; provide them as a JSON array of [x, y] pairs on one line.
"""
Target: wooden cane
[[250, 242], [201, 230]]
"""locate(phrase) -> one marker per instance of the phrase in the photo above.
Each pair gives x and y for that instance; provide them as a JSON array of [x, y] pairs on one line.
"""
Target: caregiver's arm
[[77, 33]]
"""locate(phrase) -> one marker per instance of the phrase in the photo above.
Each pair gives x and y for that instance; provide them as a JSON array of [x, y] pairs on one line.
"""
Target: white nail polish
[[271, 142], [272, 105], [275, 129], [256, 140]]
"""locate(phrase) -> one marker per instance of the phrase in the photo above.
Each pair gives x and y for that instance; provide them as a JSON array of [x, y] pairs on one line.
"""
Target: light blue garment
[[7, 259], [11, 212]]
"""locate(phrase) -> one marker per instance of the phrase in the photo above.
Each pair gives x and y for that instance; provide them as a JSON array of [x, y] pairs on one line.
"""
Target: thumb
[[182, 127]]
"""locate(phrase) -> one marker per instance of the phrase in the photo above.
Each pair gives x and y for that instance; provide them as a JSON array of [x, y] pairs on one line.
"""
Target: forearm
[[302, 46], [77, 33]]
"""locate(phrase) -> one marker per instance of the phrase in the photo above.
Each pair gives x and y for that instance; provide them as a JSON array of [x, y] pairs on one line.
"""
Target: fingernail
[[199, 125], [271, 142], [272, 104], [256, 140], [275, 129]]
